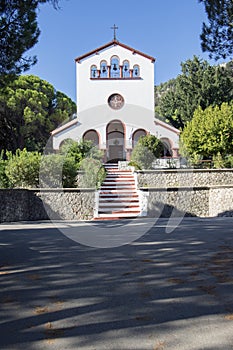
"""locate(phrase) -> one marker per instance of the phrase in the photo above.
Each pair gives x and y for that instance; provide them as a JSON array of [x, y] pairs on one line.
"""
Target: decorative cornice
[[113, 43]]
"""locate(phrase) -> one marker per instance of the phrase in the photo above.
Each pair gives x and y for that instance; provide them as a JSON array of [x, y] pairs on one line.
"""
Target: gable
[[112, 44]]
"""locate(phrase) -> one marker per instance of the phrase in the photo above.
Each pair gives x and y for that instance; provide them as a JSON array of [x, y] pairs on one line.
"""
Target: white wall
[[92, 100], [95, 92], [134, 117]]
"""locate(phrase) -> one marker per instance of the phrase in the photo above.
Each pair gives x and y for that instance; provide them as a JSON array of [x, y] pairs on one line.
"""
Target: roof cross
[[114, 31]]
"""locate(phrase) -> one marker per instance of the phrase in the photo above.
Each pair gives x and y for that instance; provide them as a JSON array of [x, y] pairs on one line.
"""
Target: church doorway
[[115, 141]]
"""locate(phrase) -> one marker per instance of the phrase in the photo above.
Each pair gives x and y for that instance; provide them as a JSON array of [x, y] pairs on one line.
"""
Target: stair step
[[119, 178], [120, 200], [118, 183], [119, 172], [116, 196], [114, 192], [120, 204], [117, 189], [109, 183], [111, 217], [119, 211], [116, 186]]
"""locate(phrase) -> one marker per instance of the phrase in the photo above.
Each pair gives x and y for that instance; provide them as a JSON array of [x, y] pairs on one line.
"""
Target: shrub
[[4, 181], [94, 173], [22, 169], [80, 150], [218, 161], [56, 170], [146, 151], [229, 161]]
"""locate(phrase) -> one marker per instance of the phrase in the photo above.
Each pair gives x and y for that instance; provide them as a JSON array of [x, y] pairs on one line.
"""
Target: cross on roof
[[114, 31]]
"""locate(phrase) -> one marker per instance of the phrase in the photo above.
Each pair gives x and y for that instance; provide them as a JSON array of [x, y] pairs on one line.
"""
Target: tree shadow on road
[[151, 293]]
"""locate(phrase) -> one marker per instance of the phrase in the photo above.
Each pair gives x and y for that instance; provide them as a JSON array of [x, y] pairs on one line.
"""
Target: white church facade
[[115, 103]]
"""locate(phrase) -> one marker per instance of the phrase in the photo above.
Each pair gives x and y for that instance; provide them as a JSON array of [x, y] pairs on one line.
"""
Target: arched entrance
[[115, 141]]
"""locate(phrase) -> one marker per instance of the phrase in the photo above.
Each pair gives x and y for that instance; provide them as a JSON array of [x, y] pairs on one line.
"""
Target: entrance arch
[[115, 136]]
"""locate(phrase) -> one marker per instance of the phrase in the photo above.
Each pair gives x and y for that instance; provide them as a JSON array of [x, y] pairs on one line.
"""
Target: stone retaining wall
[[221, 201], [177, 202], [55, 204], [163, 193], [184, 177]]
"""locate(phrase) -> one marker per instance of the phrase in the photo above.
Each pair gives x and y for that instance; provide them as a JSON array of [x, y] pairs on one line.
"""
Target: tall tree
[[199, 84], [31, 109], [217, 36], [18, 33], [209, 133]]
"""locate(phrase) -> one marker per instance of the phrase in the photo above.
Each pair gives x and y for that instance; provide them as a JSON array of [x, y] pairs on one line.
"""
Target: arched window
[[126, 72], [167, 151], [136, 71], [115, 69], [137, 134], [94, 72], [91, 135], [66, 143], [103, 69]]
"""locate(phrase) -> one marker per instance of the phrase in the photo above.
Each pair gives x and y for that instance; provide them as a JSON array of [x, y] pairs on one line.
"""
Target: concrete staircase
[[118, 197]]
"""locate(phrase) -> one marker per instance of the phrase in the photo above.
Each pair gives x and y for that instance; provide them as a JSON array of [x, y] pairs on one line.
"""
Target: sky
[[168, 30]]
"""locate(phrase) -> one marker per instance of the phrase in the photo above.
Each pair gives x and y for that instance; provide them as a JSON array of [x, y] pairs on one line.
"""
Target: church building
[[115, 103]]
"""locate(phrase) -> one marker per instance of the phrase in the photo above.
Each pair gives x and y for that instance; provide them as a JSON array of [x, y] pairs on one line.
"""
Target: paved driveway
[[162, 291]]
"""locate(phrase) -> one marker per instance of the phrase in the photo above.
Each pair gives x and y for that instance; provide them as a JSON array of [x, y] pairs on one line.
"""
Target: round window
[[116, 101]]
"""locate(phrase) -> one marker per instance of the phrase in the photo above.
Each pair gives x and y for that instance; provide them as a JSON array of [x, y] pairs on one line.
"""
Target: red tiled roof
[[65, 126], [166, 125], [113, 43]]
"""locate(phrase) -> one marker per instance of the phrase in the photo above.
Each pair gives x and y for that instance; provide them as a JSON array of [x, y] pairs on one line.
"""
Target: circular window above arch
[[116, 101]]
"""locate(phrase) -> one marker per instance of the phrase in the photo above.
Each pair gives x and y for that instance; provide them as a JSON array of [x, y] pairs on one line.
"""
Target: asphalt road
[[161, 291]]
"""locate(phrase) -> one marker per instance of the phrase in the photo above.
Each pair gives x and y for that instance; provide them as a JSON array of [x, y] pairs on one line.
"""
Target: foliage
[[217, 36], [18, 33], [57, 170], [209, 134], [146, 151], [87, 157], [152, 144], [22, 168], [218, 161], [229, 161], [4, 181], [134, 164], [30, 109], [94, 173], [159, 93], [31, 169], [199, 84], [80, 150], [61, 169]]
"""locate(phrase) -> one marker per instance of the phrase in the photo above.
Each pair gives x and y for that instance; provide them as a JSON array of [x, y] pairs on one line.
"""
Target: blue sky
[[169, 30]]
